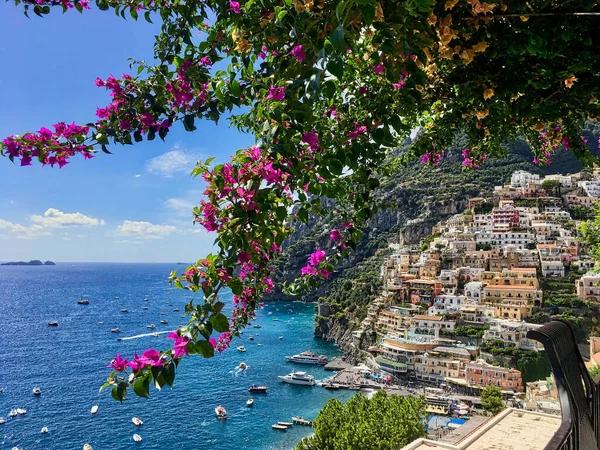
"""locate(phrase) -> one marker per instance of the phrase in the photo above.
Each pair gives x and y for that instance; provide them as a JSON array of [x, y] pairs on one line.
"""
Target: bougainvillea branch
[[330, 90]]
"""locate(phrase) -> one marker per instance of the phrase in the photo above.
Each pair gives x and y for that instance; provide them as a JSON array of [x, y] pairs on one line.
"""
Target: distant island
[[33, 262]]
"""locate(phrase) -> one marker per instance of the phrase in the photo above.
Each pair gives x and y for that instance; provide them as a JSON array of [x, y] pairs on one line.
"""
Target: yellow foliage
[[432, 19], [488, 93], [482, 114], [569, 81], [378, 13], [480, 47], [450, 4], [467, 56]]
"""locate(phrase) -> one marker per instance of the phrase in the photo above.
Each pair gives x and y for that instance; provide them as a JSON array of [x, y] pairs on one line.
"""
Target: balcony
[[578, 427]]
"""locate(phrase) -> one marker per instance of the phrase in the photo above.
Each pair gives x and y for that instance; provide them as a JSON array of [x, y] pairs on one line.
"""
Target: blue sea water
[[68, 363]]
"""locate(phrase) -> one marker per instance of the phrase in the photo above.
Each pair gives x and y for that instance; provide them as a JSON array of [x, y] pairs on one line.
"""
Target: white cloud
[[137, 175], [181, 206], [22, 231], [53, 218], [144, 230], [128, 241], [173, 162]]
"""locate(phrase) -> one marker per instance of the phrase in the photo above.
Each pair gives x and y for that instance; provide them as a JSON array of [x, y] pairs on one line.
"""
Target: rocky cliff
[[419, 197]]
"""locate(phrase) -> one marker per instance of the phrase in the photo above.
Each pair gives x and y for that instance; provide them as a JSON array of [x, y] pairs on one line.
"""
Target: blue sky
[[134, 205]]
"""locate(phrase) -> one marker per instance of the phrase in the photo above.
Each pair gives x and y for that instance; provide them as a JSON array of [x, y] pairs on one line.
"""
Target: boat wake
[[143, 335]]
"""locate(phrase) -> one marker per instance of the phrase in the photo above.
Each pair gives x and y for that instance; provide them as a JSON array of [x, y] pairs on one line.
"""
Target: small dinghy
[[21, 411], [44, 430], [94, 409], [124, 310], [145, 308], [242, 366], [87, 447], [250, 402], [137, 421], [241, 348], [221, 413], [13, 413], [36, 391], [164, 322], [115, 330], [53, 324], [137, 438], [151, 326], [2, 420], [280, 337]]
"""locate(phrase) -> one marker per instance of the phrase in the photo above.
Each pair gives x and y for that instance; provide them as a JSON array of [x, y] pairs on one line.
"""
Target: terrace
[[578, 427]]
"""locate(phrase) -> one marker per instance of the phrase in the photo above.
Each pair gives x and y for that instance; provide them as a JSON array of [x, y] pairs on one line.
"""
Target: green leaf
[[168, 373], [141, 387], [336, 67], [188, 122], [368, 12], [218, 307], [220, 322], [337, 38], [205, 349], [235, 285], [235, 89]]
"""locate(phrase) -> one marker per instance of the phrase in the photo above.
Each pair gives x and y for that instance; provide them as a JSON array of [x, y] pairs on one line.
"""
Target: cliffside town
[[454, 312]]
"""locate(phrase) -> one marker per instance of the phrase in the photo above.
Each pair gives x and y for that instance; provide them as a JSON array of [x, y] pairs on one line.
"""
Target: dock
[[337, 364], [301, 421]]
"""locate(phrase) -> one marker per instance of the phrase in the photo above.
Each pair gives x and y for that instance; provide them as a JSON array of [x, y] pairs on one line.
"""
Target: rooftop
[[423, 317], [512, 429]]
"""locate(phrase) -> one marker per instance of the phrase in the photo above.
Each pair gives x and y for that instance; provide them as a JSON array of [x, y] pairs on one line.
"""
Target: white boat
[[115, 330], [279, 427], [308, 358], [137, 438], [241, 348], [100, 323], [94, 409], [285, 424], [220, 412], [87, 447], [44, 430], [137, 421], [280, 337], [2, 420], [124, 310], [145, 308], [250, 402], [242, 366], [151, 326], [301, 378], [258, 389], [13, 413], [36, 391], [164, 322], [257, 326], [83, 301], [21, 411], [260, 345], [275, 319]]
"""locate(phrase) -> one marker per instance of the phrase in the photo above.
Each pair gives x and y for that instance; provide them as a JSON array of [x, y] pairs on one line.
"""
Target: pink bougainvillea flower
[[335, 235], [119, 364], [299, 53], [151, 357], [179, 345], [325, 273], [317, 257], [308, 270], [276, 93], [378, 69], [234, 7], [311, 138]]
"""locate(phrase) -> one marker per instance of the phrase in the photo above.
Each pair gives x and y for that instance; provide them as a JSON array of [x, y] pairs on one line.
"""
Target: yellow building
[[514, 309], [493, 293]]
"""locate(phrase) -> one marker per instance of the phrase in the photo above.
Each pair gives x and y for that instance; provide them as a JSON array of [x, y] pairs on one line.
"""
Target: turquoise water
[[68, 364]]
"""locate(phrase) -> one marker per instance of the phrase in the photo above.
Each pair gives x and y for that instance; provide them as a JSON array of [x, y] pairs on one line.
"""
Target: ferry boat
[[308, 358], [301, 378], [258, 389], [220, 412]]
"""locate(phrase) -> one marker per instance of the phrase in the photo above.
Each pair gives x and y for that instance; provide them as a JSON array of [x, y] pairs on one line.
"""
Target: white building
[[514, 332], [521, 178], [474, 291], [565, 180], [499, 239], [591, 188]]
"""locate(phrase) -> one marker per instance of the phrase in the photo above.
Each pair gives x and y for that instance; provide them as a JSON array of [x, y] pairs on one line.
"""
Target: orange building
[[483, 374]]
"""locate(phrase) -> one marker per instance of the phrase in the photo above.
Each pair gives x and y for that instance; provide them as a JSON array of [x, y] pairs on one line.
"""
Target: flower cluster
[[314, 262]]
